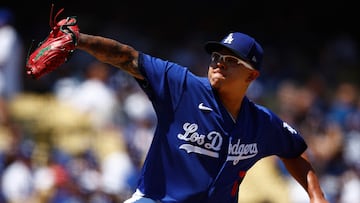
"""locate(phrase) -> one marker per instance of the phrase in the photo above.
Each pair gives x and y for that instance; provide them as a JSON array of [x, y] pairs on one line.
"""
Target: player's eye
[[226, 59], [231, 60], [215, 57]]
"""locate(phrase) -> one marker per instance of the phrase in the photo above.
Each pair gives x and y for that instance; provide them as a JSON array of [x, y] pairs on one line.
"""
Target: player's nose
[[220, 65]]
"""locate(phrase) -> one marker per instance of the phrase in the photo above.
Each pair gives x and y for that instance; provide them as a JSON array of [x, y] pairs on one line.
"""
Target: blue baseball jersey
[[199, 153]]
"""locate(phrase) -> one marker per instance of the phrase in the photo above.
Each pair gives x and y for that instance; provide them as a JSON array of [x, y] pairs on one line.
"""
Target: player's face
[[228, 71]]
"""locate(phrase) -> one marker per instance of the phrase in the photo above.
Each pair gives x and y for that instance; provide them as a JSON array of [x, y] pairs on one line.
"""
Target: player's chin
[[216, 81]]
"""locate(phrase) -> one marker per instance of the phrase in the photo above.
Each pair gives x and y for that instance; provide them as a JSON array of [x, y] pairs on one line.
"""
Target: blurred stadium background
[[80, 133]]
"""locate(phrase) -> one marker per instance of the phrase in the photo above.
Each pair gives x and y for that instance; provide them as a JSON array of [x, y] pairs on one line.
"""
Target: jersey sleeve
[[281, 139], [164, 80], [292, 142]]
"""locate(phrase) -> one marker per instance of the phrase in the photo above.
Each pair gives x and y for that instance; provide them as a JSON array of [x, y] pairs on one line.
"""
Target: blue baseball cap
[[242, 45]]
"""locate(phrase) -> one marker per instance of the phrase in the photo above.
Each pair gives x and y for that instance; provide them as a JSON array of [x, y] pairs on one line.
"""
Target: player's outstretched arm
[[112, 52], [301, 169]]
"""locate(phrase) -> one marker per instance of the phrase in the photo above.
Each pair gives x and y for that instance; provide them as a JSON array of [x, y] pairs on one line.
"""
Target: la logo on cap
[[254, 59], [229, 39]]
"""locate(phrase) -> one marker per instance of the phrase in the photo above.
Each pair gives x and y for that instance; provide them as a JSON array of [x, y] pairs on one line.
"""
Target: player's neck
[[232, 102]]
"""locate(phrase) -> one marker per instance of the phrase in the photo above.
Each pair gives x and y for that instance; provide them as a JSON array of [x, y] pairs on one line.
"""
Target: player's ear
[[252, 75]]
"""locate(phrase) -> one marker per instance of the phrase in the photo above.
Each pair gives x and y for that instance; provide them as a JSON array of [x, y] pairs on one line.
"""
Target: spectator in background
[[17, 177], [140, 127], [92, 96], [11, 56]]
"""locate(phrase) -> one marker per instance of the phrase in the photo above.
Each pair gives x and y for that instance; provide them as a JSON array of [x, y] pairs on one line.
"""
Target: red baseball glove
[[56, 48]]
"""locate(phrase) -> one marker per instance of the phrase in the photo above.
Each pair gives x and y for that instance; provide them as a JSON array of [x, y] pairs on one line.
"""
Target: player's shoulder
[[259, 109]]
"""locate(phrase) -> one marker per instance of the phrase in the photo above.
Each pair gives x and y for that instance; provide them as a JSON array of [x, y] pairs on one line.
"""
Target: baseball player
[[209, 133]]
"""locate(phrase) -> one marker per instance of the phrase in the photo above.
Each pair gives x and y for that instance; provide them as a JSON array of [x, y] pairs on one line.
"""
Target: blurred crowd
[[80, 133]]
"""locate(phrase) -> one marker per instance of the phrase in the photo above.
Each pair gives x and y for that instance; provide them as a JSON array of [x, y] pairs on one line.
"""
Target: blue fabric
[[199, 154]]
